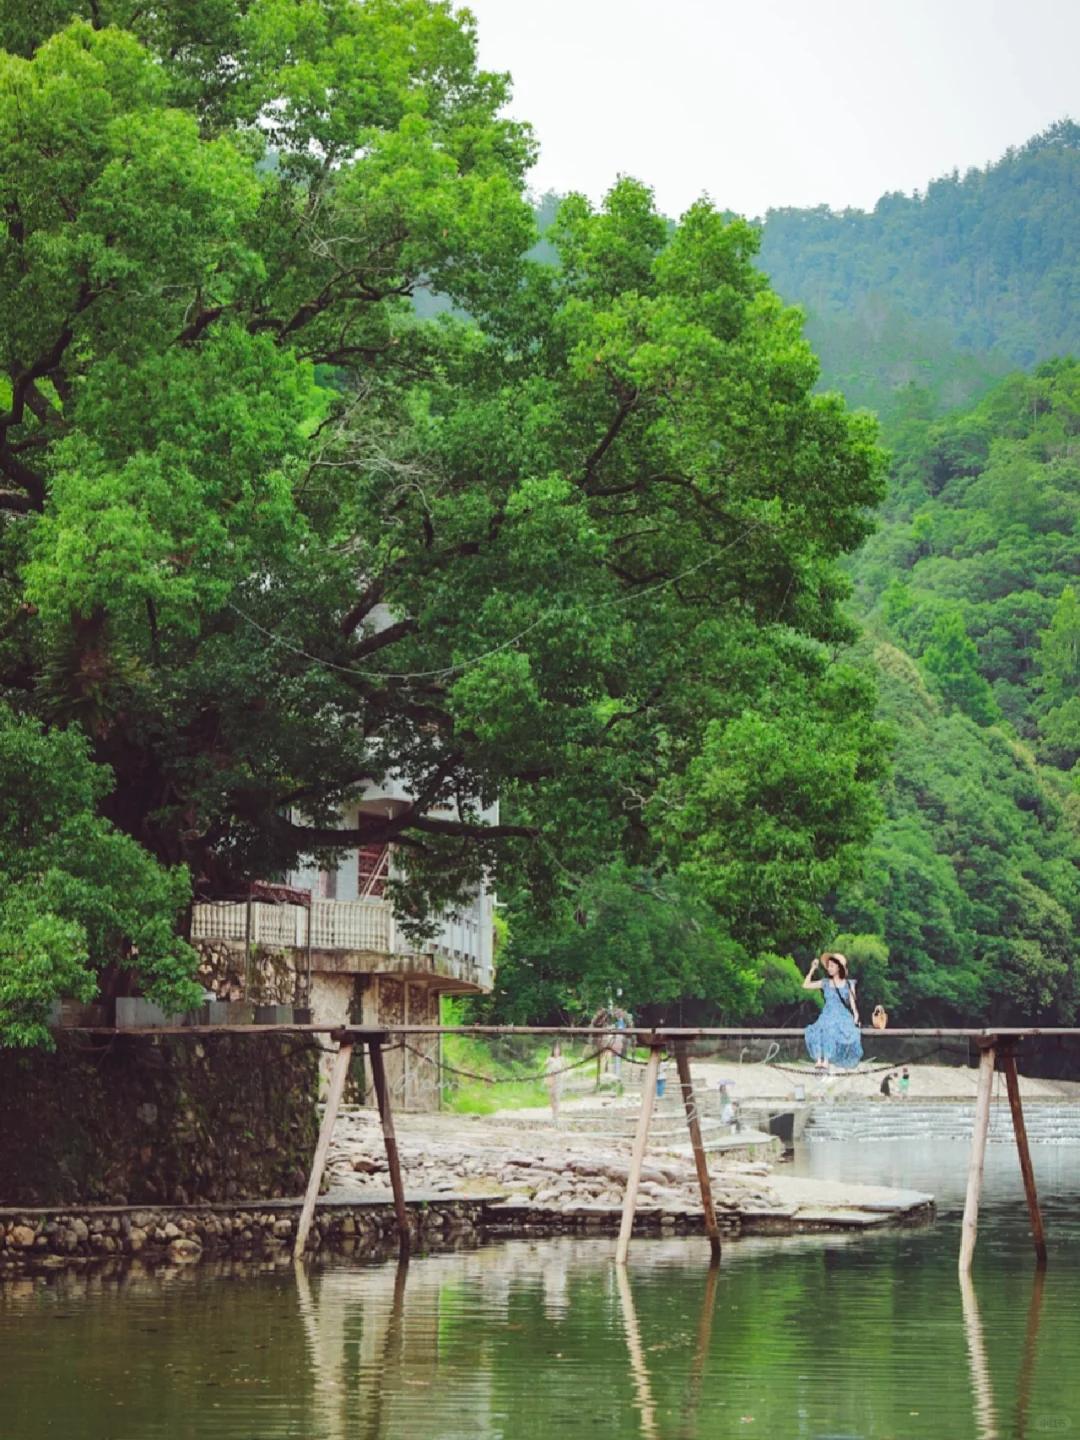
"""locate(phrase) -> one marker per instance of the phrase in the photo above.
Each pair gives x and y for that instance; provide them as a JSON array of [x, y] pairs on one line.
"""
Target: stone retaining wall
[[157, 1120], [36, 1239]]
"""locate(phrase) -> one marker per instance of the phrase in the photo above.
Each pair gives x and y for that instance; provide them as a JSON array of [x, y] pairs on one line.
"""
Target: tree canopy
[[268, 532]]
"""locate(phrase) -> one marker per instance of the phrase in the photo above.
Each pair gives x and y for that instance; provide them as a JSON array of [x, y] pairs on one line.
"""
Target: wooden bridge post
[[322, 1148], [682, 1061], [970, 1226], [393, 1163], [637, 1156], [1012, 1084]]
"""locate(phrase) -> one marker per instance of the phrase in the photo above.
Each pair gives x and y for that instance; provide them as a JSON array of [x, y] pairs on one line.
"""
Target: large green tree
[[268, 532]]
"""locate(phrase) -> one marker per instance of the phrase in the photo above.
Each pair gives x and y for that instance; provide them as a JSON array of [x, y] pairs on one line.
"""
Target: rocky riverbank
[[514, 1173], [542, 1171], [48, 1239]]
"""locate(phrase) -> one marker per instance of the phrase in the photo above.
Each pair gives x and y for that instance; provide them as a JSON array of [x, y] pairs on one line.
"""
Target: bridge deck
[[659, 1032]]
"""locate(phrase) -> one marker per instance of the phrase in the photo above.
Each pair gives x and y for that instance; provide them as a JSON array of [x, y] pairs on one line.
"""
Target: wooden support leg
[[682, 1061], [633, 1179], [1012, 1083], [382, 1094], [318, 1165], [978, 1159]]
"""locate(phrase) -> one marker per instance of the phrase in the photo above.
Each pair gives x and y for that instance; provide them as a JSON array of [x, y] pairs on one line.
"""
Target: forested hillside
[[973, 629], [946, 289]]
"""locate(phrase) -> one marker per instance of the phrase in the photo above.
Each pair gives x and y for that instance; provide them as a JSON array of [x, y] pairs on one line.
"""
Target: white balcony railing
[[461, 948]]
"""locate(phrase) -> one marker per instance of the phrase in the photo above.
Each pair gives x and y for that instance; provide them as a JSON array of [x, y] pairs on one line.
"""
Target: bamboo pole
[[637, 1156], [1012, 1084], [382, 1094], [970, 1226], [326, 1130], [682, 1062]]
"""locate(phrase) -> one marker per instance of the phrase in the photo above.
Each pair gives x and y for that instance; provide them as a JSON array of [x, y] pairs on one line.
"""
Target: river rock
[[23, 1237], [184, 1250], [368, 1165]]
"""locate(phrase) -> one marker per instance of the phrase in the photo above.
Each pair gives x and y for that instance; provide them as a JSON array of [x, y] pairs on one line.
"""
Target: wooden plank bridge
[[995, 1045]]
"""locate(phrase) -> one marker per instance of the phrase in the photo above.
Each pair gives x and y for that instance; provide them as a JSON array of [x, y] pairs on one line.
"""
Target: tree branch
[[205, 318], [22, 390], [365, 603], [380, 830], [611, 435], [379, 639], [469, 830]]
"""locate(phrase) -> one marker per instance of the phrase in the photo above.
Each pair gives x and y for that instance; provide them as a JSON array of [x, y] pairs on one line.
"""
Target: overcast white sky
[[764, 103]]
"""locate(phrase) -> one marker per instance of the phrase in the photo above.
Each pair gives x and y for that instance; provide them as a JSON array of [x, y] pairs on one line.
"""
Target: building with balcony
[[329, 936]]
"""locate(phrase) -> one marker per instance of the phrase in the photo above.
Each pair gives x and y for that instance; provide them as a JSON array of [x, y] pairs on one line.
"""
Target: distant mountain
[[945, 290]]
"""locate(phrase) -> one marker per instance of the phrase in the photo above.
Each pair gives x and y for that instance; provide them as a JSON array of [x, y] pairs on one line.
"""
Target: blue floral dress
[[834, 1036]]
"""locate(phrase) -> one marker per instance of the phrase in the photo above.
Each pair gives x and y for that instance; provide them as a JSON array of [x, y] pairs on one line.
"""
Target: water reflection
[[642, 1387], [692, 1395], [987, 1424], [532, 1339], [1025, 1387], [982, 1389]]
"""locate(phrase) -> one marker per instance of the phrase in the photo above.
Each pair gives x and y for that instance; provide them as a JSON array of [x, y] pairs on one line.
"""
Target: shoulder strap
[[847, 996]]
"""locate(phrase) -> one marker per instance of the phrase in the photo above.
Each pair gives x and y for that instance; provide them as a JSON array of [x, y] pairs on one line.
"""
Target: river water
[[828, 1336]]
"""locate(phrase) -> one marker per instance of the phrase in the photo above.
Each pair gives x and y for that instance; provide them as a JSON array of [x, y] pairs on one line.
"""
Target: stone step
[[1046, 1122]]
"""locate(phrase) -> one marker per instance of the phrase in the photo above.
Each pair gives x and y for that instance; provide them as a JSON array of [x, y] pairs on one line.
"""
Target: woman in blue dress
[[833, 1038]]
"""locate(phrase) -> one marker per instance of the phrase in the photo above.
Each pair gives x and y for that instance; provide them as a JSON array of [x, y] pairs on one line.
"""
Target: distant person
[[727, 1107], [619, 1045], [833, 1038], [886, 1086], [905, 1083], [553, 1074]]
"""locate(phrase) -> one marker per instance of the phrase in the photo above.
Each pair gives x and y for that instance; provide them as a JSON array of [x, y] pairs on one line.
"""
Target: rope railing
[[507, 1079]]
